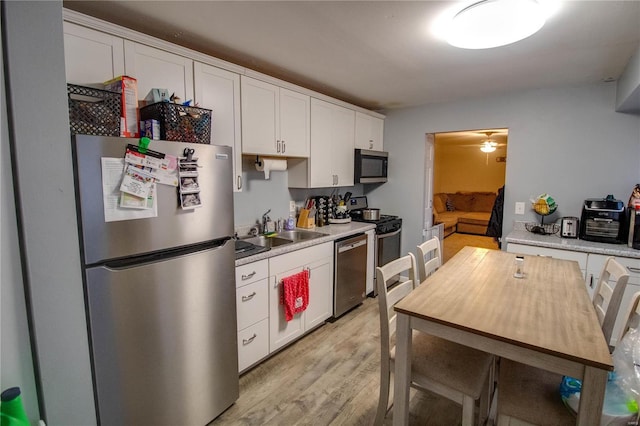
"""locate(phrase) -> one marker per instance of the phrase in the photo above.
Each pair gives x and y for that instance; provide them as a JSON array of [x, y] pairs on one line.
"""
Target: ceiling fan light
[[487, 147], [493, 23]]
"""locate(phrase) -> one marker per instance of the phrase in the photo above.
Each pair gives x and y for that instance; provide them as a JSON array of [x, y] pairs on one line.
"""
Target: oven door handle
[[390, 234]]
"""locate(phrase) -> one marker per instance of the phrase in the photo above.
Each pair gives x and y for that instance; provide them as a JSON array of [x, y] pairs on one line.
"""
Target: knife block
[[304, 221]]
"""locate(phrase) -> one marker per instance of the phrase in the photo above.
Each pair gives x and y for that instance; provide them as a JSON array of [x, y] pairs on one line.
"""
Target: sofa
[[464, 212]]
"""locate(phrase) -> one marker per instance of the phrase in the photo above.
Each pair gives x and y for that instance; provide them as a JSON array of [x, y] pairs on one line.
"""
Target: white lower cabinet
[[262, 326], [252, 305], [579, 257], [319, 261], [371, 265], [253, 344]]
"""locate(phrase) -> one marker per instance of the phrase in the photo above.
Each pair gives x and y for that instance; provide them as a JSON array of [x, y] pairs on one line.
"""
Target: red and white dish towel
[[295, 294]]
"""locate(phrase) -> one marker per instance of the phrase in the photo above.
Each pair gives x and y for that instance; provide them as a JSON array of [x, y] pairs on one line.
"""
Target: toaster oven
[[603, 220]]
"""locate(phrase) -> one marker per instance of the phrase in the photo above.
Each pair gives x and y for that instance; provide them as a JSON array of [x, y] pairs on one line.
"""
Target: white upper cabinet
[[332, 148], [275, 120], [91, 57], [219, 90], [369, 132], [157, 69]]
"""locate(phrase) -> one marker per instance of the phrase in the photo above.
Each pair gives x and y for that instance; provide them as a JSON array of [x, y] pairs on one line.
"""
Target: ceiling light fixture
[[492, 23], [487, 147]]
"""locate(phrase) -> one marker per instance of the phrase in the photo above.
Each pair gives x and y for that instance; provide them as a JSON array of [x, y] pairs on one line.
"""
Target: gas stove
[[386, 223], [387, 233]]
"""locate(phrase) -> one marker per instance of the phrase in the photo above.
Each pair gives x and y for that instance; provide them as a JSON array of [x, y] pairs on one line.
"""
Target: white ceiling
[[380, 54]]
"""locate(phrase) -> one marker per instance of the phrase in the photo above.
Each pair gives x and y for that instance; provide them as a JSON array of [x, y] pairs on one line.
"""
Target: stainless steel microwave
[[370, 166]]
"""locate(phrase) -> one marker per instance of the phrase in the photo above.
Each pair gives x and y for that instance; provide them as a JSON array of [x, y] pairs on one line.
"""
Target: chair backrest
[[405, 267], [429, 258], [632, 316], [608, 294]]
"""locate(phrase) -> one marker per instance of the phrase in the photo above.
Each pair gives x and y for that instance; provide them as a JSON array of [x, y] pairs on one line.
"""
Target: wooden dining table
[[544, 319]]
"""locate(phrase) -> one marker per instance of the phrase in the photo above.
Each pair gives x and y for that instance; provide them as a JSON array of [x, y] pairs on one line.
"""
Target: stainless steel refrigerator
[[160, 292]]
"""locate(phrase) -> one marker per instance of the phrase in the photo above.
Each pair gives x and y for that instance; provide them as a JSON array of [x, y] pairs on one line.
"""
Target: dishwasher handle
[[350, 246]]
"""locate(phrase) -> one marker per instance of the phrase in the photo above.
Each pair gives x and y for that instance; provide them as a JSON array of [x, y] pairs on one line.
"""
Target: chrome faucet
[[265, 219]]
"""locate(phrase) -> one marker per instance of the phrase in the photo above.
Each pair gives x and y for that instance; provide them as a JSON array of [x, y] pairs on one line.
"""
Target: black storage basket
[[180, 123], [94, 111]]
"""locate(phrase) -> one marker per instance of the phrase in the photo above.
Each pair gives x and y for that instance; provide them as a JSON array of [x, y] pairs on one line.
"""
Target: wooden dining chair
[[632, 316], [456, 372], [429, 258], [608, 294], [530, 394]]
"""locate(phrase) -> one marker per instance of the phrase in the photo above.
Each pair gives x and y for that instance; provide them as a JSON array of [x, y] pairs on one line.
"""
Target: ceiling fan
[[489, 145]]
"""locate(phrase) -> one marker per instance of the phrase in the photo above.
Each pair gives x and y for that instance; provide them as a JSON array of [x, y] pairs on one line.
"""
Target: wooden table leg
[[594, 384], [402, 371]]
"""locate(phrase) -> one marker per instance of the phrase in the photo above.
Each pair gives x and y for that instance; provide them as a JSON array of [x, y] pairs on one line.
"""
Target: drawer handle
[[248, 276], [249, 297], [632, 269], [249, 340]]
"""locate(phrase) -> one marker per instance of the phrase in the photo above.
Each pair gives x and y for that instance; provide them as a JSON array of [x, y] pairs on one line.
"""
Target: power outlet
[[519, 207], [292, 206]]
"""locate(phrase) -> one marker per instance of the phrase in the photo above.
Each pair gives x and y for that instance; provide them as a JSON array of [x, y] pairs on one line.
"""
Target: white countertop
[[333, 232], [555, 241]]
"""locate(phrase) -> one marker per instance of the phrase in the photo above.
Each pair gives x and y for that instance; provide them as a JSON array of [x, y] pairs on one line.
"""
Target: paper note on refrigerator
[[112, 174]]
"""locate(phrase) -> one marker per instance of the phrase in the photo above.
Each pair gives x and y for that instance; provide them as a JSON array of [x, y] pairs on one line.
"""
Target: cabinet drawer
[[253, 344], [252, 303], [251, 272], [597, 261], [286, 262], [579, 257]]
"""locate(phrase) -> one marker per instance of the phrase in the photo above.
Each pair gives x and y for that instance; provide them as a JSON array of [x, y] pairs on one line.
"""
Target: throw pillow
[[450, 206], [438, 205]]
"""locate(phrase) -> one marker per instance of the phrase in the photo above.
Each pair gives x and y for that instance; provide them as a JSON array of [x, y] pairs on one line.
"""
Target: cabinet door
[[369, 132], [219, 90], [157, 69], [371, 267], [260, 114], [91, 57], [282, 331], [252, 303], [343, 145], [320, 293], [253, 344], [377, 133], [294, 123], [320, 162]]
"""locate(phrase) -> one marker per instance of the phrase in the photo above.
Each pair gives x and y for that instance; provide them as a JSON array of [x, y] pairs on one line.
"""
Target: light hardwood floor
[[456, 242], [330, 377]]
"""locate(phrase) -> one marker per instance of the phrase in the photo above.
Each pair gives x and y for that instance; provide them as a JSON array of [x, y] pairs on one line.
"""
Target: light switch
[[519, 207]]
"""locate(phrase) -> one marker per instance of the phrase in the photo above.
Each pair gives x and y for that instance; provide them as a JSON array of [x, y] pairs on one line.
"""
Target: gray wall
[[568, 142], [34, 61], [16, 367], [628, 93], [260, 195]]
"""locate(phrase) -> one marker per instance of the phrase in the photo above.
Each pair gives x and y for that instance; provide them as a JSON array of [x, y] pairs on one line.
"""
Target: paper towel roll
[[267, 165]]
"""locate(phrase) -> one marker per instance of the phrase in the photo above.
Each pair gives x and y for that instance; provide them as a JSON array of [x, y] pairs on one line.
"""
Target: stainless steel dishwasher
[[350, 275]]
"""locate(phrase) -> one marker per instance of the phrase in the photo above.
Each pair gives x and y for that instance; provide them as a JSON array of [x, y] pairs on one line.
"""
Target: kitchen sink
[[298, 235], [282, 238], [270, 242]]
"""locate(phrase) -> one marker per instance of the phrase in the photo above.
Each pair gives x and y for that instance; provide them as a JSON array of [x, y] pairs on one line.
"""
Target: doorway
[[467, 171]]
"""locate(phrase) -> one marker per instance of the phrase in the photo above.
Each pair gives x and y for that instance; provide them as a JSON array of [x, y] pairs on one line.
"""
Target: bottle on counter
[[634, 229], [290, 224]]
